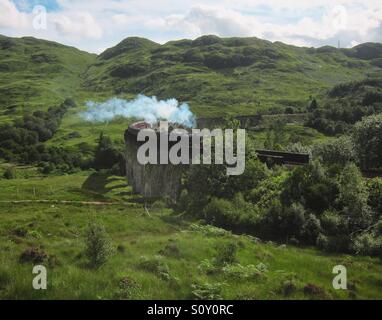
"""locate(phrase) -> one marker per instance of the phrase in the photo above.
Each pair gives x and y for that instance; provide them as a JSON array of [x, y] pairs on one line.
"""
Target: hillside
[[228, 75], [160, 256], [35, 74], [215, 75], [345, 104], [273, 232]]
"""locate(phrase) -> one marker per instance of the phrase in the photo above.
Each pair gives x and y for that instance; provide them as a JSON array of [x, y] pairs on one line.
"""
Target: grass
[[36, 74], [59, 230]]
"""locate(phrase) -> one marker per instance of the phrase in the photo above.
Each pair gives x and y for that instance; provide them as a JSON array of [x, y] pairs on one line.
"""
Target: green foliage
[[62, 223], [226, 253], [98, 245], [368, 244], [374, 187], [157, 266], [207, 291], [108, 155], [337, 151], [128, 289], [367, 137], [10, 173], [240, 272], [23, 141], [347, 104], [353, 197], [311, 186]]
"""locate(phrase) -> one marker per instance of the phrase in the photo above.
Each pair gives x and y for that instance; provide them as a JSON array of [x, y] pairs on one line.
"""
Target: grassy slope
[[279, 75], [59, 230], [35, 74]]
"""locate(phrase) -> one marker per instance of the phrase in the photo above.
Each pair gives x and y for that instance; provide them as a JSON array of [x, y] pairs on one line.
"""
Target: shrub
[[339, 243], [209, 231], [33, 254], [156, 265], [170, 250], [207, 291], [10, 173], [98, 246], [368, 244], [337, 151], [48, 168], [314, 291], [311, 229], [374, 187], [331, 222], [237, 271], [370, 149], [226, 253], [208, 267], [288, 287], [322, 242], [128, 288]]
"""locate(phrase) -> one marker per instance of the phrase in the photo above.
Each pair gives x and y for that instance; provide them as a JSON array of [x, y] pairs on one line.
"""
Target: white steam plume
[[149, 109]]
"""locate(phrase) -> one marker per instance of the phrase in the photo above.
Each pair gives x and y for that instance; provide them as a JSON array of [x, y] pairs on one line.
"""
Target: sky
[[95, 25]]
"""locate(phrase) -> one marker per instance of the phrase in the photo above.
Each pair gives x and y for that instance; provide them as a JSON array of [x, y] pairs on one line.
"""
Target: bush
[[156, 265], [340, 243], [10, 173], [311, 229], [48, 168], [374, 187], [331, 222], [368, 244], [338, 151], [288, 287], [314, 291], [98, 246], [33, 254], [207, 291], [237, 271], [128, 288], [170, 250], [226, 253], [367, 137]]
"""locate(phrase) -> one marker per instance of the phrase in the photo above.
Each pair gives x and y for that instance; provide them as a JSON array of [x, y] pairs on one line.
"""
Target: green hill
[[228, 75], [214, 75], [35, 74]]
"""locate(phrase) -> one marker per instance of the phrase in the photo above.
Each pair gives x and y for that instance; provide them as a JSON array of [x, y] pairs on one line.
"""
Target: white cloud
[[10, 17], [336, 22], [299, 22], [78, 25]]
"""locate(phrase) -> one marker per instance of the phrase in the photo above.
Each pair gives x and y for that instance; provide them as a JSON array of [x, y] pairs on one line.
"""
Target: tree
[[337, 151], [107, 154], [311, 186], [367, 137], [374, 187], [313, 105], [353, 197], [98, 246]]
